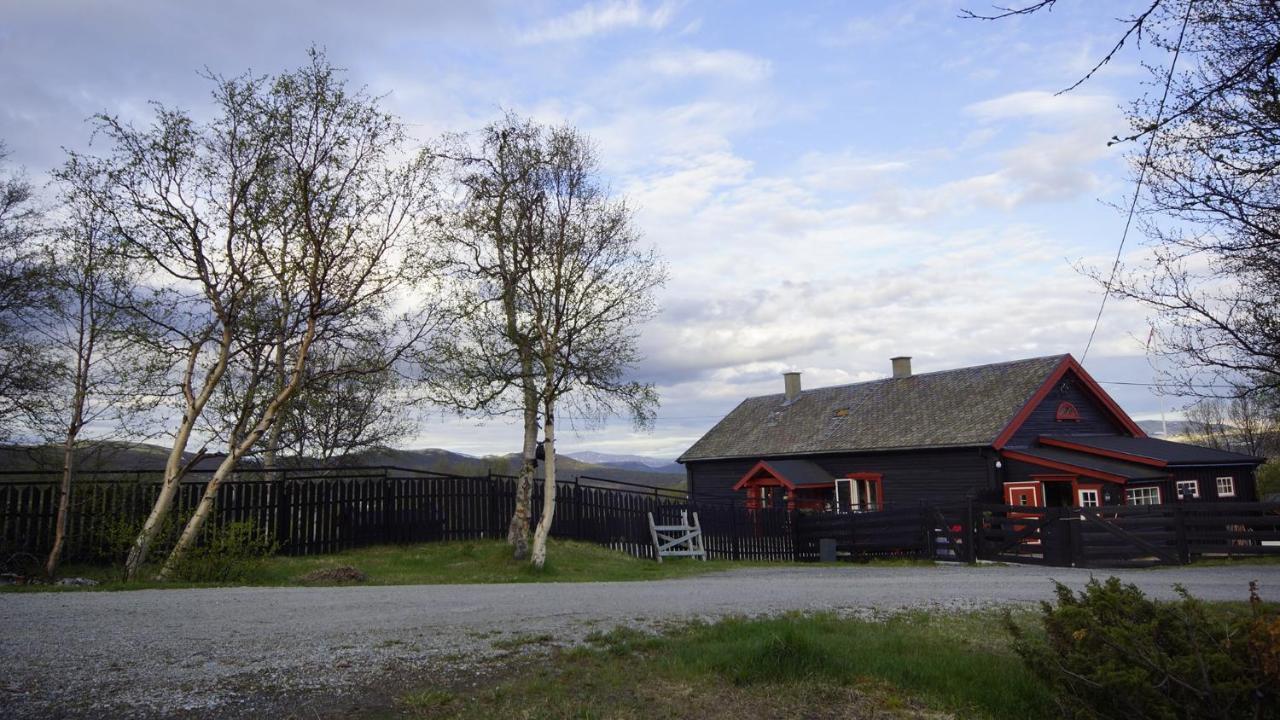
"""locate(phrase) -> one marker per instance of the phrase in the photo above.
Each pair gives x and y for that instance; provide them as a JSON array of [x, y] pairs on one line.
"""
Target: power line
[[1142, 174]]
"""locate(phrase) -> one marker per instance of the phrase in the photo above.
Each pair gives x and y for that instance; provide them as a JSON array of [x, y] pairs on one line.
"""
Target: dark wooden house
[[1031, 432]]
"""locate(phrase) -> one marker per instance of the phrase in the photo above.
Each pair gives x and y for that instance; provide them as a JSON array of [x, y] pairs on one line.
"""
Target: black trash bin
[[827, 550]]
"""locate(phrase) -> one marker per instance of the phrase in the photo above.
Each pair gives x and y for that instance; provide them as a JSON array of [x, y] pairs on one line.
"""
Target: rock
[[78, 582]]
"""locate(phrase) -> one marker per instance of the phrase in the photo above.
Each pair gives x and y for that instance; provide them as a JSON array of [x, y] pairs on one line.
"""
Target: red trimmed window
[[859, 492], [1066, 412]]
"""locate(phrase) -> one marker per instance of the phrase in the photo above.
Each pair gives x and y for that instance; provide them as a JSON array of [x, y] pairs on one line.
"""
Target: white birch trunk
[[518, 530], [539, 555]]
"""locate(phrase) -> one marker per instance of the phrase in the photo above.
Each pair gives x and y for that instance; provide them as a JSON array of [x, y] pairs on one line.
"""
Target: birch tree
[[105, 379], [590, 285], [488, 364], [26, 371], [267, 230], [332, 249], [181, 196]]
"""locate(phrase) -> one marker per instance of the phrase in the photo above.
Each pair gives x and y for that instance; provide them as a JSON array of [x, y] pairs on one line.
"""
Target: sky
[[831, 183]]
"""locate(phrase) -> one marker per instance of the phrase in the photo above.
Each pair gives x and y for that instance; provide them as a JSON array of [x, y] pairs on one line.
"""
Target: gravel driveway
[[313, 652]]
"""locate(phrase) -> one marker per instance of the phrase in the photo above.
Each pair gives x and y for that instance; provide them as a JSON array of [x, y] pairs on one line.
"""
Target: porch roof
[[1086, 464], [1149, 450], [791, 473]]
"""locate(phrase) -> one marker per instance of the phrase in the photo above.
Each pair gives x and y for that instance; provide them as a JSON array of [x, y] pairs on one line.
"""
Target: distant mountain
[[144, 457], [1154, 428], [642, 463], [567, 466]]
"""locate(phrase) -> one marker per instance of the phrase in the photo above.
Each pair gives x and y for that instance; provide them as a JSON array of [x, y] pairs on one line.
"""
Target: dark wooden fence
[[311, 511], [1127, 535]]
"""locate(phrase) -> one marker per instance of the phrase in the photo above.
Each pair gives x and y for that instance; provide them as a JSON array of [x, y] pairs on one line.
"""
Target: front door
[[1024, 494], [1029, 494]]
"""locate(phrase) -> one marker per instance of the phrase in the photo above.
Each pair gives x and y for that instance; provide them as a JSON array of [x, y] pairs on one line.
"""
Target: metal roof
[[1172, 453], [1086, 461]]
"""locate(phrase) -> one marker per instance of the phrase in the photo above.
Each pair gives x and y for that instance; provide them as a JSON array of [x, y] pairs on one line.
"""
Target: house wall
[[909, 477], [1113, 493], [1094, 418], [1017, 471], [1246, 490]]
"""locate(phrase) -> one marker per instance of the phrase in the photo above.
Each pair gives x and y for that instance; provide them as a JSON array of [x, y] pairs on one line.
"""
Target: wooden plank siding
[[1094, 418], [908, 477]]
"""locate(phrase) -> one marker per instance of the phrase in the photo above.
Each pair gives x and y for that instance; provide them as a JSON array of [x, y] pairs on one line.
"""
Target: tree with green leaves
[[590, 284], [282, 224], [27, 373], [105, 378]]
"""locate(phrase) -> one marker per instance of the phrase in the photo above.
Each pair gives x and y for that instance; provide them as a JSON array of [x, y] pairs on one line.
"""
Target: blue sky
[[832, 183]]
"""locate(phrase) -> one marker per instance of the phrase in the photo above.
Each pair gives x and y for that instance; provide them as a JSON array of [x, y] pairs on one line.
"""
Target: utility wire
[[1142, 175]]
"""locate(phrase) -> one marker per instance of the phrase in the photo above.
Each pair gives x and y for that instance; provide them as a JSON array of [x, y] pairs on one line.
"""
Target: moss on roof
[[952, 408]]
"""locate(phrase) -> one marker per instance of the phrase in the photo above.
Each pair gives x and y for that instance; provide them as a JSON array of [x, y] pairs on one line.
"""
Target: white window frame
[[1092, 495], [1195, 488], [1230, 485], [1131, 493]]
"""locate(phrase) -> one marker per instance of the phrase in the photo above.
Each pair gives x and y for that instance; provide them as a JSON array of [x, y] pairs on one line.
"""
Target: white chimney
[[791, 386], [901, 366]]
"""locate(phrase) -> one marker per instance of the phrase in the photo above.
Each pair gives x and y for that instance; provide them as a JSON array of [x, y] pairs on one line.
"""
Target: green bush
[[1268, 477], [227, 554], [1110, 652]]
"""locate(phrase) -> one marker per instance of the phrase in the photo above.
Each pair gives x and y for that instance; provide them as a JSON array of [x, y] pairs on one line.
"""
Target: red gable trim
[[1067, 467], [760, 468], [1114, 454], [1068, 364]]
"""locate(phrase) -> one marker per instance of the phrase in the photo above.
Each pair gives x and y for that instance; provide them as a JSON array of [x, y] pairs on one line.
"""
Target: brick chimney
[[791, 386], [901, 366]]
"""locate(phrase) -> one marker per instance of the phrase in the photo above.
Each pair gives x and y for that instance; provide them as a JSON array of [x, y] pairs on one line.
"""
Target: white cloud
[[600, 18], [1039, 103], [726, 64]]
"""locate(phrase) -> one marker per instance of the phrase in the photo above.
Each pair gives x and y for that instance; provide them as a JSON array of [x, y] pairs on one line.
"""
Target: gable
[[1070, 405]]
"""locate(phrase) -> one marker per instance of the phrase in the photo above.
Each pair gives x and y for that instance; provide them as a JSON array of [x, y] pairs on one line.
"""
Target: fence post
[[491, 511], [970, 536], [733, 526], [1180, 534], [927, 551], [283, 511], [577, 508], [388, 500]]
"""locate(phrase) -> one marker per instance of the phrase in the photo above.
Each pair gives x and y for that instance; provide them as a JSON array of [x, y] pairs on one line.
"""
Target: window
[[1066, 412], [1188, 489], [859, 493], [1226, 487], [1089, 497], [1142, 496]]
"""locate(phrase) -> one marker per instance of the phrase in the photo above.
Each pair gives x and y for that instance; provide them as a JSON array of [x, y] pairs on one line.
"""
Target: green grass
[[462, 562], [908, 665]]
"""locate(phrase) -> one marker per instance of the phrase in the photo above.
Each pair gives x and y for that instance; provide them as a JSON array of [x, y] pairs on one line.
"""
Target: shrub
[[1110, 652], [227, 554], [1268, 476]]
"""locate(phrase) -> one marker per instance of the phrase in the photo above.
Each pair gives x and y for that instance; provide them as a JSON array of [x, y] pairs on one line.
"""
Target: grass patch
[[908, 665], [461, 562]]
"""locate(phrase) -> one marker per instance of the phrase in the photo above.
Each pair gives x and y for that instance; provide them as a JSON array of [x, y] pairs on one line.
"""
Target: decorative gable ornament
[[1066, 412]]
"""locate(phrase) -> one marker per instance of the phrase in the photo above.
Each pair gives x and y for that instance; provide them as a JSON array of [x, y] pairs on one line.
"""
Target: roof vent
[[791, 386], [901, 366]]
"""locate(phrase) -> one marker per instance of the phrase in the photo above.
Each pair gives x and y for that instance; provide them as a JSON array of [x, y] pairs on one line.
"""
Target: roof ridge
[[916, 375]]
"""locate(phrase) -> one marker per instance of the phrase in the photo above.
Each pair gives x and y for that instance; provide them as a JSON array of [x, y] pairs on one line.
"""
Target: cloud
[[598, 19], [1039, 103], [725, 64]]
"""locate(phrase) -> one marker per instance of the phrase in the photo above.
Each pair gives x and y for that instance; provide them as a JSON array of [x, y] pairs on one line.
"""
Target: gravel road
[[316, 652]]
